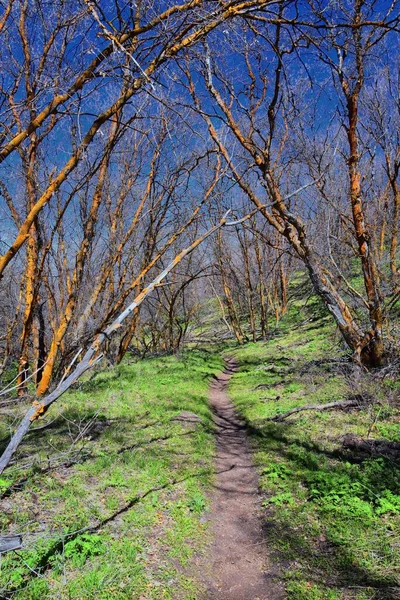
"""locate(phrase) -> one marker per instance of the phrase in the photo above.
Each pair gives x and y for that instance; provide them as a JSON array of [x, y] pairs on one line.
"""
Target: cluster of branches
[[128, 130]]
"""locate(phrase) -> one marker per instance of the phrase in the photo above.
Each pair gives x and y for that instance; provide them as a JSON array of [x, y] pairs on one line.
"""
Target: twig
[[68, 369], [5, 391]]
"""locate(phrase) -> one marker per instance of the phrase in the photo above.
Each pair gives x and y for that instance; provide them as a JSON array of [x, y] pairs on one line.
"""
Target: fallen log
[[328, 406], [377, 447], [261, 386], [10, 542]]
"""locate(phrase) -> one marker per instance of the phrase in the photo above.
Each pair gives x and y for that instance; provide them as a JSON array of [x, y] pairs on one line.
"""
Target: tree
[[257, 117], [381, 108], [93, 354], [64, 121], [185, 26]]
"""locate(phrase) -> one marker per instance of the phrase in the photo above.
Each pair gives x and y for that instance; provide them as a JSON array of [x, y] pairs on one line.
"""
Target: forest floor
[[131, 487], [111, 496]]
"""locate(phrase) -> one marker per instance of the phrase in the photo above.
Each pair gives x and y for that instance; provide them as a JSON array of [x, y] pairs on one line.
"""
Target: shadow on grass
[[81, 457], [330, 479], [46, 561], [329, 565], [69, 423]]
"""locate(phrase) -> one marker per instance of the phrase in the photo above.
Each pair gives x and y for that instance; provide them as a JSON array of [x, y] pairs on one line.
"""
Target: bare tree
[[93, 354], [258, 118]]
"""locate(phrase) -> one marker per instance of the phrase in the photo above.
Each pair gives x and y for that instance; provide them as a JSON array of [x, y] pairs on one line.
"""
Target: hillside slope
[[331, 501], [111, 491]]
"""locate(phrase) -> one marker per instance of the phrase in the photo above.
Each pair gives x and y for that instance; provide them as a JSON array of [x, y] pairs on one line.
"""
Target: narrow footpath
[[239, 566]]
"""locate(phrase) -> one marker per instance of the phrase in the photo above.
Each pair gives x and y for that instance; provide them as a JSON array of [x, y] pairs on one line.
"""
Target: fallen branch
[[10, 542], [327, 406], [261, 386], [372, 447], [92, 355]]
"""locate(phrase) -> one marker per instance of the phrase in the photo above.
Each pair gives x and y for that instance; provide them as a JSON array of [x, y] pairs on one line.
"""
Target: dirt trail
[[239, 566]]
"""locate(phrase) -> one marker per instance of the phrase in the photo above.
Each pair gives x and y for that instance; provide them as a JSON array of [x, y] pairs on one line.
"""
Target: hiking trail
[[239, 565]]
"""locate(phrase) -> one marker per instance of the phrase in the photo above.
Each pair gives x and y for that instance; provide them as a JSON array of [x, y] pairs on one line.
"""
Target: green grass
[[110, 497], [334, 518], [139, 483]]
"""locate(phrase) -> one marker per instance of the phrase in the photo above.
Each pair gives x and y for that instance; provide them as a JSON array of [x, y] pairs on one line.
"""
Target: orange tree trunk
[[31, 266], [81, 257], [372, 345]]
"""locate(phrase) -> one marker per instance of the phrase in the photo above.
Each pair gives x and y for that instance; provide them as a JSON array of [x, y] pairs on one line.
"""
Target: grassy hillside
[[109, 496], [333, 515]]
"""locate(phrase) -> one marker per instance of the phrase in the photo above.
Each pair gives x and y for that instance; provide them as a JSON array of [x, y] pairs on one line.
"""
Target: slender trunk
[[382, 233], [81, 257], [273, 304], [261, 292], [30, 279], [283, 279], [394, 235], [30, 269], [127, 337], [40, 345], [249, 286], [233, 317], [171, 341], [383, 210], [221, 305], [230, 304]]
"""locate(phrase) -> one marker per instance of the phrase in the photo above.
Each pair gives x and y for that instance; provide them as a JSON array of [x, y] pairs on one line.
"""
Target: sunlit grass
[[335, 521], [140, 480]]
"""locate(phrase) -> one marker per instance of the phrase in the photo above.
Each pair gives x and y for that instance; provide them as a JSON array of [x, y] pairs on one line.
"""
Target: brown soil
[[239, 563]]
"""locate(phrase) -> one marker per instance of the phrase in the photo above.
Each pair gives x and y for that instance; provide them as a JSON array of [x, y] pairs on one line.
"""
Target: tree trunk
[[394, 235], [283, 279], [249, 286], [39, 328], [230, 304], [29, 162], [261, 291], [371, 348], [127, 337]]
